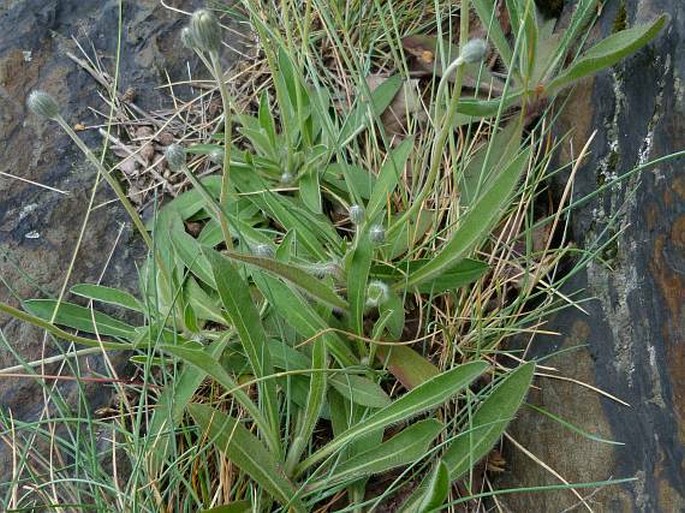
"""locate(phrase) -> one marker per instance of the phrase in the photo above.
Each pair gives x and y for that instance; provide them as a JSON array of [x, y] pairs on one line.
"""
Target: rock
[[633, 340], [39, 228]]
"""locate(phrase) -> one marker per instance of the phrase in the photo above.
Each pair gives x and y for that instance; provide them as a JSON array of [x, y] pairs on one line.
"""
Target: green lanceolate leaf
[[80, 318], [206, 307], [233, 507], [108, 295], [360, 390], [489, 161], [202, 361], [242, 312], [60, 333], [431, 493], [358, 266], [293, 274], [247, 453], [490, 20], [381, 97], [405, 448], [315, 401], [476, 224], [409, 367], [489, 421], [460, 274], [189, 252], [172, 404], [389, 177], [428, 395], [608, 52]]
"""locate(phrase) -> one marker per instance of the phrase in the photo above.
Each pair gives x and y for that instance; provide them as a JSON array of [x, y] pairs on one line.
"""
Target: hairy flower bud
[[264, 250], [187, 38], [473, 51], [377, 293], [377, 234], [216, 155], [42, 104], [176, 157], [205, 30], [356, 214]]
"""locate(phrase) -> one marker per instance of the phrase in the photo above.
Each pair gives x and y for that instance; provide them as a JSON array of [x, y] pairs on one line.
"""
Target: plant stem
[[121, 195], [225, 176]]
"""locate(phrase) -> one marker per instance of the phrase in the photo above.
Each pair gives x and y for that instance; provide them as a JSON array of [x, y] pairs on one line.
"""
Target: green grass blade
[[489, 422], [428, 395], [476, 223], [247, 453]]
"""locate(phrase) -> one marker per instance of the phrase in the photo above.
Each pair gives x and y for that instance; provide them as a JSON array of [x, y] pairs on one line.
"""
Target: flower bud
[[216, 155], [377, 293], [287, 178], [176, 157], [42, 104], [356, 214], [324, 269], [187, 38], [473, 51], [377, 234], [264, 250], [205, 30]]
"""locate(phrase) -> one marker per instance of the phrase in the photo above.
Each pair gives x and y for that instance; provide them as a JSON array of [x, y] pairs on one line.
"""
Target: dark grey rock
[[634, 335], [39, 228]]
